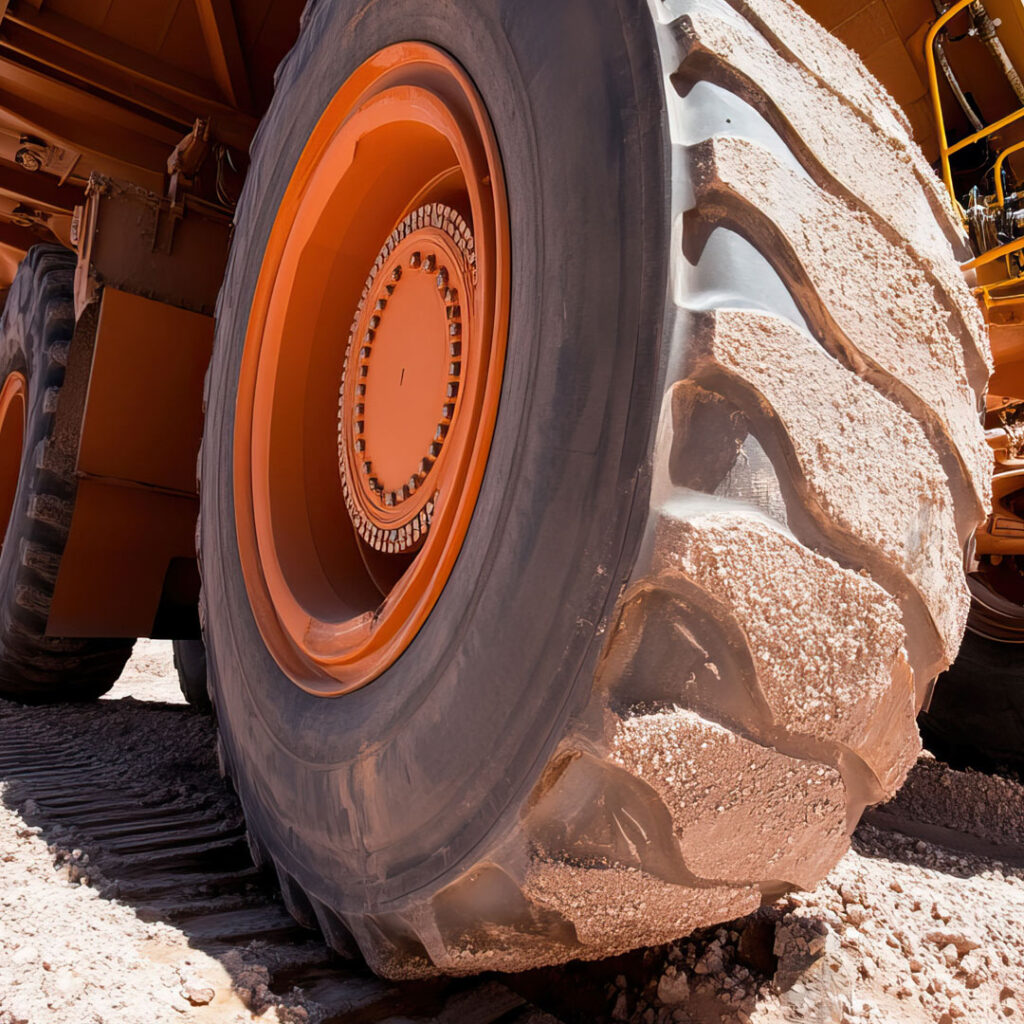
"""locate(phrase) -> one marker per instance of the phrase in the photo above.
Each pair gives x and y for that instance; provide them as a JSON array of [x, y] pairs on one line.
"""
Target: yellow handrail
[[933, 85], [986, 131], [1000, 193], [991, 255], [946, 151], [985, 290]]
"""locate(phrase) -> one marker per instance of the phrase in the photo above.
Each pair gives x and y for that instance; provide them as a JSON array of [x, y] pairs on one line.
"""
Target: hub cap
[[400, 384]]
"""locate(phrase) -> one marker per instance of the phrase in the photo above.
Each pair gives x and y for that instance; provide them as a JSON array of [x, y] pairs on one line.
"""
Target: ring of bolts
[[402, 538]]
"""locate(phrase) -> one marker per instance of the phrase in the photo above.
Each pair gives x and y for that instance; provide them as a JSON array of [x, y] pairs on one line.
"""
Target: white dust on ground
[[68, 956], [150, 674], [903, 930]]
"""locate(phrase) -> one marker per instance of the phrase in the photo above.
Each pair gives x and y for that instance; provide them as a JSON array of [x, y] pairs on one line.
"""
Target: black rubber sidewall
[[190, 664], [374, 799]]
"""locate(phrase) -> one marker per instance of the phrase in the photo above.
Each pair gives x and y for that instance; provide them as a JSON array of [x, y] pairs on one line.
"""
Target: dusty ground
[[921, 927], [68, 956]]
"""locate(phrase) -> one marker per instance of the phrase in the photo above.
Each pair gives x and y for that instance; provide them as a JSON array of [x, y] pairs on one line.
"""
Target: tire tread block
[[614, 909], [883, 324], [861, 464], [743, 813], [860, 163], [796, 35], [826, 642]]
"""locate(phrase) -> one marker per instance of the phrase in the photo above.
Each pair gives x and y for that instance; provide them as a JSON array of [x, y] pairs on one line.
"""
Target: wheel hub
[[401, 377], [359, 453]]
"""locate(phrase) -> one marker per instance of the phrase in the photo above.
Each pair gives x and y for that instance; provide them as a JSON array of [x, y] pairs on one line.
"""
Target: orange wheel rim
[[12, 441], [371, 370]]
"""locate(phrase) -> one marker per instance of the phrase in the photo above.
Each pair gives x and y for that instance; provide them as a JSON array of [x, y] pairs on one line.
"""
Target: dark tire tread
[[35, 333]]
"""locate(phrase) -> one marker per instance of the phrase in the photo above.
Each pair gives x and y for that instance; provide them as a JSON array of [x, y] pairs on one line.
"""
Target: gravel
[[922, 921], [67, 955]]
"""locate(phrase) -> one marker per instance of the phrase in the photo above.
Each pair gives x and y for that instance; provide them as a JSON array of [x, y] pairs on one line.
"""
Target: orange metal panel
[[221, 35], [135, 509], [73, 52], [115, 84], [196, 89], [143, 24], [69, 63], [38, 189], [1008, 354], [84, 121], [122, 544], [182, 43], [19, 237], [143, 417]]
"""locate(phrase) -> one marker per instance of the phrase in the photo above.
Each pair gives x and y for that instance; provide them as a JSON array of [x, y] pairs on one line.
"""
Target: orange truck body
[[124, 128]]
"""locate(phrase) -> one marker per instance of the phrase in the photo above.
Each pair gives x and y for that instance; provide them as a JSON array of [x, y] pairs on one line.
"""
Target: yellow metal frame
[[985, 291], [1009, 151]]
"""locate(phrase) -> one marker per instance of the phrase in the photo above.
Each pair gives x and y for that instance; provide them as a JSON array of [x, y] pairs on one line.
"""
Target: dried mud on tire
[[816, 464]]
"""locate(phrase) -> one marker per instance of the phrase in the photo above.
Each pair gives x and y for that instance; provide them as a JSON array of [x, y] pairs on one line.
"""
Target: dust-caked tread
[[35, 334], [796, 36], [859, 164], [764, 775], [885, 325], [768, 653], [890, 515]]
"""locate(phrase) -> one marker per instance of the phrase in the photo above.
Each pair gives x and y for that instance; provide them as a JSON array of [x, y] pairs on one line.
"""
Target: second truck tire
[[190, 664], [976, 716], [715, 561], [38, 492]]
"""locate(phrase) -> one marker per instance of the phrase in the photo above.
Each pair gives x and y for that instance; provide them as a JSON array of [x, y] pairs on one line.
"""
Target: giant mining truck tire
[[697, 294], [37, 492]]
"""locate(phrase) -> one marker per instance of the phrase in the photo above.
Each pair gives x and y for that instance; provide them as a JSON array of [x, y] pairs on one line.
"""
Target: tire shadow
[[128, 797]]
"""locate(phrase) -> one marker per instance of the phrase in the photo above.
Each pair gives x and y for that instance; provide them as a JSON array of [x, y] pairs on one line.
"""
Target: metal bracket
[[137, 241]]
